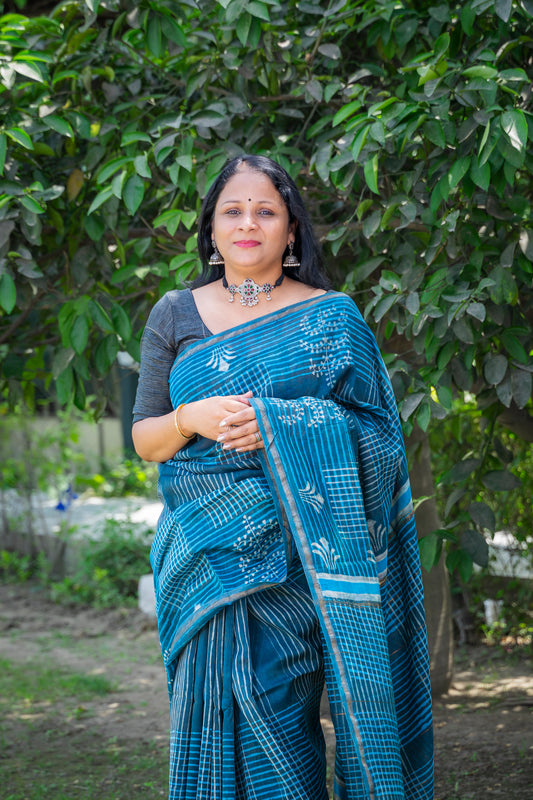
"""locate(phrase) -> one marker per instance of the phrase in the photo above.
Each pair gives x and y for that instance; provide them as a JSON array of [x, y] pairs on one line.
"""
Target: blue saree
[[274, 567]]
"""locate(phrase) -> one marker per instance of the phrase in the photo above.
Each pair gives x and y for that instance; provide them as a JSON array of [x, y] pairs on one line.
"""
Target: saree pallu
[[330, 491]]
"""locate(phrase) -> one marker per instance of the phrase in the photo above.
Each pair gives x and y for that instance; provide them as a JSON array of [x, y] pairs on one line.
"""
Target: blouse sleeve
[[158, 353]]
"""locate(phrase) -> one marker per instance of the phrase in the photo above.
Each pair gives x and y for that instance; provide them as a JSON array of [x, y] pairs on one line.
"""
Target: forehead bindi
[[248, 187]]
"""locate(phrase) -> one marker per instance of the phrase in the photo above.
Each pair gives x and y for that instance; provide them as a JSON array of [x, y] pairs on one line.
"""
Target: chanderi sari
[[277, 567]]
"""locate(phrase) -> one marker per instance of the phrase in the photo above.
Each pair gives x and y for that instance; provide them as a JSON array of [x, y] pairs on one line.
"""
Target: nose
[[247, 219]]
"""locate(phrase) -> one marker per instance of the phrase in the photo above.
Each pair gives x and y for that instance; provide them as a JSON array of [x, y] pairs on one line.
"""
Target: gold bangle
[[177, 424]]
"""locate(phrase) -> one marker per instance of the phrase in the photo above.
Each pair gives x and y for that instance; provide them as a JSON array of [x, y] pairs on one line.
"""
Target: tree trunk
[[436, 585]]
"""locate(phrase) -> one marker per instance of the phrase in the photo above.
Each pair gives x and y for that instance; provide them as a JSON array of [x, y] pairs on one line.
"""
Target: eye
[[232, 212], [266, 212]]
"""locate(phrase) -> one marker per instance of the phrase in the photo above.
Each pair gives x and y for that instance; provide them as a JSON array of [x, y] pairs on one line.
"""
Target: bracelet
[[177, 424]]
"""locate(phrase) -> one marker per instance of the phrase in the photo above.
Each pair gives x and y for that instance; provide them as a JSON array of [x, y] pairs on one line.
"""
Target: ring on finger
[[257, 436]]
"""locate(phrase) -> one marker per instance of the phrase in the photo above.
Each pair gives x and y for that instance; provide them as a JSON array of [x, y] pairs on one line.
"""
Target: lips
[[247, 243]]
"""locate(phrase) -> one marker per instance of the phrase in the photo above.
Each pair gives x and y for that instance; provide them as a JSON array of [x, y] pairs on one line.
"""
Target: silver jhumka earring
[[216, 259], [291, 261]]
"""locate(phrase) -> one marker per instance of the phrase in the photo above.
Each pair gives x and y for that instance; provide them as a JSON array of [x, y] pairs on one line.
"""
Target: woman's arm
[[229, 420], [158, 438]]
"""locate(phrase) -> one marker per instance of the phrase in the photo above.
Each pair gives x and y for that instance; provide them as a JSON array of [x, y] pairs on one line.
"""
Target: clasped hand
[[229, 420]]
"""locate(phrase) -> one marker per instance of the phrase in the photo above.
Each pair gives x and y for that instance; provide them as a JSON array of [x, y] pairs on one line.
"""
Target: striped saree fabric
[[276, 566]]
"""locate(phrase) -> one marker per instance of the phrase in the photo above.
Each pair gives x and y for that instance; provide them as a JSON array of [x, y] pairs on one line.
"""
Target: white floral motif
[[221, 359], [310, 495], [259, 555], [327, 553], [325, 338], [295, 410], [378, 535]]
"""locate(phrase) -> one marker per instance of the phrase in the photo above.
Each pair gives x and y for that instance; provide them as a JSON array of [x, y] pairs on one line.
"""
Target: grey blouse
[[174, 322]]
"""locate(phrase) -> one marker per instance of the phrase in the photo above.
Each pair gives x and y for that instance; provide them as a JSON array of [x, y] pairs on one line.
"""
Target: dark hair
[[306, 246]]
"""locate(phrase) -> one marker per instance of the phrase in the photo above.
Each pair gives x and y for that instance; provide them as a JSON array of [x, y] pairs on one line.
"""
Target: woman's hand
[[229, 420]]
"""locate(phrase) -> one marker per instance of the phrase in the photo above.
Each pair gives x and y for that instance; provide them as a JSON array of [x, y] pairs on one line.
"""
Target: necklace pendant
[[248, 291]]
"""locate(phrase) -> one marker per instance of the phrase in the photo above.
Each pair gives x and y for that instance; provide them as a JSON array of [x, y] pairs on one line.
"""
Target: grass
[[46, 752], [48, 684]]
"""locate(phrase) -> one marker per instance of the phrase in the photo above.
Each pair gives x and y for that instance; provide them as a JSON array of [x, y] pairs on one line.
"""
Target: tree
[[407, 125]]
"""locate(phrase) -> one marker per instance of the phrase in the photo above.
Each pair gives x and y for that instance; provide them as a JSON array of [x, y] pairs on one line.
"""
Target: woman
[[286, 550]]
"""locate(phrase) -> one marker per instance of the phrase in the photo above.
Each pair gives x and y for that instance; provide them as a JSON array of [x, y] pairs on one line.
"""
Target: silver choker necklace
[[249, 290]]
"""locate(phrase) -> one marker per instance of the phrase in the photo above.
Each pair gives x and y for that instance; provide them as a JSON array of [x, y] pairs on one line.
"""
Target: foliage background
[[407, 125]]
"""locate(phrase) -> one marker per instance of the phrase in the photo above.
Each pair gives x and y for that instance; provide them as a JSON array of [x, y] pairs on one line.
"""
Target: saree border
[[280, 483]]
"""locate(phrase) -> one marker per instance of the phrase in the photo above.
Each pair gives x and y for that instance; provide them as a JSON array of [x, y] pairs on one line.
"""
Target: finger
[[252, 441], [237, 432], [239, 417], [253, 444], [244, 397]]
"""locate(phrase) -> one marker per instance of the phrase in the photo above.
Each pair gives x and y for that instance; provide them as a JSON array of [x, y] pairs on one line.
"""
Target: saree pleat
[[250, 727], [272, 566]]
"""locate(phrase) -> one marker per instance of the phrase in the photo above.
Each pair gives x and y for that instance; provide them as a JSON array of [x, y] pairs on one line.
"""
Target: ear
[[292, 231]]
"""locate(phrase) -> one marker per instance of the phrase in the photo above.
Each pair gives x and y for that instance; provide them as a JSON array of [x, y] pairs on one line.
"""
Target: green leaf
[[371, 224], [423, 416], [346, 111], [481, 71], [462, 562], [27, 69], [525, 241], [453, 498], [480, 174], [106, 353], [101, 198], [141, 166], [8, 293], [499, 480], [154, 39], [242, 28], [477, 310], [134, 136], [365, 269], [514, 347], [3, 150], [383, 306], [169, 219], [503, 9], [430, 548], [494, 368], [504, 392], [259, 10], [32, 204], [121, 322], [332, 51], [521, 384], [65, 386], [474, 543], [371, 173], [111, 167], [482, 515], [79, 334], [434, 131], [94, 227], [21, 137], [514, 125], [99, 316], [410, 404], [173, 31], [359, 142], [458, 171], [462, 470], [59, 125]]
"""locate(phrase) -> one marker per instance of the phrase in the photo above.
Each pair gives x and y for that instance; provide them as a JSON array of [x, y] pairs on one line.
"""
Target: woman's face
[[251, 224]]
